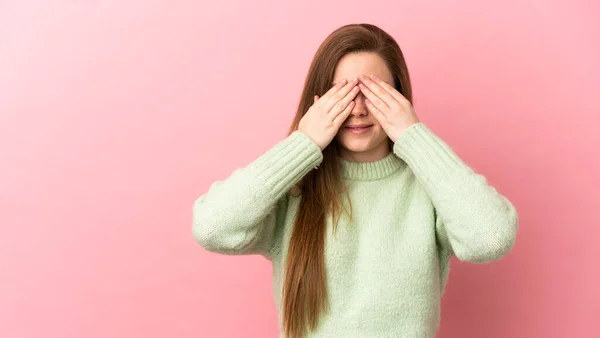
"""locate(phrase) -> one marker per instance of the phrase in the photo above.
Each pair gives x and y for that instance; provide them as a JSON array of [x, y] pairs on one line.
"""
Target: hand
[[393, 111], [327, 114]]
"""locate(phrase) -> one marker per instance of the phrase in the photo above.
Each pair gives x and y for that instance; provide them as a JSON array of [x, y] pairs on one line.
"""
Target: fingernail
[[342, 81], [362, 76], [373, 76], [354, 80]]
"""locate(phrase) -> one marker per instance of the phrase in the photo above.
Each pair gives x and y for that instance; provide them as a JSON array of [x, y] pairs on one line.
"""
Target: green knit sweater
[[387, 267]]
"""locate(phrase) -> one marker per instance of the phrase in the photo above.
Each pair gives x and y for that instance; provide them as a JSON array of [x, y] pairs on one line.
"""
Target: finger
[[340, 118], [381, 93], [339, 85], [376, 112], [343, 103], [390, 89], [375, 101], [340, 95]]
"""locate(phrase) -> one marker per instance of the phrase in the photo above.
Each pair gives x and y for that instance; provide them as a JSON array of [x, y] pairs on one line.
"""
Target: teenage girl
[[361, 206]]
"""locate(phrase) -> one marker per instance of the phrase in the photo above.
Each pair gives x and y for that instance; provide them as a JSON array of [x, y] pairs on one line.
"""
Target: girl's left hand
[[393, 111]]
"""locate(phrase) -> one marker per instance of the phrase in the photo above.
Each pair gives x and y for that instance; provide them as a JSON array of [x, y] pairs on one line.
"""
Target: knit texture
[[387, 267]]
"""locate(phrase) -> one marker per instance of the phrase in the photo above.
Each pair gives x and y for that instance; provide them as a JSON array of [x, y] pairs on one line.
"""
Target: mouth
[[359, 129]]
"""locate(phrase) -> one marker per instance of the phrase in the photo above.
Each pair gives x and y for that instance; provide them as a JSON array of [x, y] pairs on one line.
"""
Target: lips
[[359, 129], [358, 126]]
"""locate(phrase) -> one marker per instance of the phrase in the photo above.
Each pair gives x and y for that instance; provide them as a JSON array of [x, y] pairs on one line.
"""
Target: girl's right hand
[[327, 114]]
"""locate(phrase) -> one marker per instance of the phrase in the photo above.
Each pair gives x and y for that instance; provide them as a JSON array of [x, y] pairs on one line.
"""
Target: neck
[[371, 155], [371, 170]]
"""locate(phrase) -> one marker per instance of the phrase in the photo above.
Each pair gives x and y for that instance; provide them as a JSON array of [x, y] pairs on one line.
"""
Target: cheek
[[377, 126], [381, 134]]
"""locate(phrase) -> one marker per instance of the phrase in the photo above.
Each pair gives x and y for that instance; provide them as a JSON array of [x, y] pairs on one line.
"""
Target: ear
[[316, 98]]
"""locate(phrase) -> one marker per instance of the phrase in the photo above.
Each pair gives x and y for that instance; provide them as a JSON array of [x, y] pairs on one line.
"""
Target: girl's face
[[370, 145]]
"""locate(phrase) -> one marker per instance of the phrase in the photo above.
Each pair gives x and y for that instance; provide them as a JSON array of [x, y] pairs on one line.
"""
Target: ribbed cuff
[[286, 163], [428, 156]]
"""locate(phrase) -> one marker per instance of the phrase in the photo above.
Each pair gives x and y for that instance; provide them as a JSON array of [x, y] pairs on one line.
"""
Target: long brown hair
[[304, 290]]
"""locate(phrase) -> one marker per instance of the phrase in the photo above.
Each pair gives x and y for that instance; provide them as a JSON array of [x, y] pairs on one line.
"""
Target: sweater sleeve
[[240, 214], [473, 221]]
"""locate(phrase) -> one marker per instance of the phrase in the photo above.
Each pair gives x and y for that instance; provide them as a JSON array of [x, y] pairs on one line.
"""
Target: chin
[[361, 145], [356, 145]]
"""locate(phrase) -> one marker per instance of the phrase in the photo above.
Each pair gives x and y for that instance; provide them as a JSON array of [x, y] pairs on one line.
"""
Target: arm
[[473, 221], [239, 215]]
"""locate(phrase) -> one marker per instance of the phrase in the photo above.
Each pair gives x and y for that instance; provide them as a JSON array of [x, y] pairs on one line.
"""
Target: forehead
[[353, 64]]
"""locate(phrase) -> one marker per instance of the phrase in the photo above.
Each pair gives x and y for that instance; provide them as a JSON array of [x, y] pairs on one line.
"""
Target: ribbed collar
[[369, 171]]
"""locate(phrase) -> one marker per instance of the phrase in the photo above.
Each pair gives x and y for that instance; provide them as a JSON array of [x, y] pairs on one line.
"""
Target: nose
[[360, 108]]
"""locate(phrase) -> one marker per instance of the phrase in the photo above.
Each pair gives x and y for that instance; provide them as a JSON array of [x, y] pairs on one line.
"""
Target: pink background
[[116, 115]]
